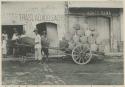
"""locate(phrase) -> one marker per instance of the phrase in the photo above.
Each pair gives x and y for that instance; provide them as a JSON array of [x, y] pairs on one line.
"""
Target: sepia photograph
[[62, 42]]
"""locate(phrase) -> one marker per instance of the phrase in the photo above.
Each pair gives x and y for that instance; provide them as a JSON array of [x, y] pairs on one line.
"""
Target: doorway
[[9, 29], [102, 27], [52, 33]]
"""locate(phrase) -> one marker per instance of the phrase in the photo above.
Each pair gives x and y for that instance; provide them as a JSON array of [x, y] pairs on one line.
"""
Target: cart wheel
[[81, 54]]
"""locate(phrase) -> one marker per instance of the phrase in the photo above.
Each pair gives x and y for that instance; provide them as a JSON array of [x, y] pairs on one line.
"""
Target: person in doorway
[[5, 35], [45, 45], [38, 55], [15, 36], [4, 45]]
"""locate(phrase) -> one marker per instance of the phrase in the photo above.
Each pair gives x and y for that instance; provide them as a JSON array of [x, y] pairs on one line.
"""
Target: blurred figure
[[83, 39], [87, 32], [71, 44], [15, 35], [5, 35], [94, 47]]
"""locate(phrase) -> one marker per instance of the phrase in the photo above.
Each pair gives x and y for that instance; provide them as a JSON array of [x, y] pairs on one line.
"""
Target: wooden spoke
[[81, 54], [78, 58], [76, 50], [87, 56], [82, 59]]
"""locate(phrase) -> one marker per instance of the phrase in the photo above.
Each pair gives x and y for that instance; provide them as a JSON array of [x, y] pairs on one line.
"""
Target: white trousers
[[38, 55]]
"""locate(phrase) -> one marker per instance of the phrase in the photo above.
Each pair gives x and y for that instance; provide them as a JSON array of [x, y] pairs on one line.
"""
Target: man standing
[[38, 55], [15, 38], [45, 45]]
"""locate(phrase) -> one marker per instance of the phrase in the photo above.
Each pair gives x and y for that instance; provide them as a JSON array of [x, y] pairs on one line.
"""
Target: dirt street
[[66, 72]]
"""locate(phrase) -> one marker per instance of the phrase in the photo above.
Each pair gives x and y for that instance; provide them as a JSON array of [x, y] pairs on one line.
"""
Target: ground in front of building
[[62, 72]]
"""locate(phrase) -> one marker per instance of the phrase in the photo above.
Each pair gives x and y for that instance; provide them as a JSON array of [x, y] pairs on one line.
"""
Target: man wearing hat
[[38, 55]]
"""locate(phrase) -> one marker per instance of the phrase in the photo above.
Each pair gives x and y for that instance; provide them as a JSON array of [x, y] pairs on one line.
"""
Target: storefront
[[105, 17], [59, 18], [28, 16]]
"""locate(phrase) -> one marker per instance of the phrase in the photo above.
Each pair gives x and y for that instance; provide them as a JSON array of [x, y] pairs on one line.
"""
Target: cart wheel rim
[[81, 54]]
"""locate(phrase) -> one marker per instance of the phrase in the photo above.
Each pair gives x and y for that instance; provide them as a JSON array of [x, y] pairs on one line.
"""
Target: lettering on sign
[[36, 17]]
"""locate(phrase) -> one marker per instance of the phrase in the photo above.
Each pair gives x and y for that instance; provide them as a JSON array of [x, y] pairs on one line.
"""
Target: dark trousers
[[46, 52]]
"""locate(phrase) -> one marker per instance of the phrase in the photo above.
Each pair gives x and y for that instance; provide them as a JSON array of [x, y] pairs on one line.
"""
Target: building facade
[[59, 18], [49, 16], [105, 17]]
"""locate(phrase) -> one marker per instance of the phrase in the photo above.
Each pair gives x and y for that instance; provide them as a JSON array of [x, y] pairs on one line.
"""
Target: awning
[[95, 4]]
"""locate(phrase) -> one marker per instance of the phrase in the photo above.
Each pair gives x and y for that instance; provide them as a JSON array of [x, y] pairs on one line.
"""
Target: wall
[[113, 22], [31, 13], [117, 32]]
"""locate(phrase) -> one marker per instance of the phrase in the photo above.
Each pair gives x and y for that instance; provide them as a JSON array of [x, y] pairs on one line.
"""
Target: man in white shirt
[[38, 55], [4, 44], [15, 37], [4, 34]]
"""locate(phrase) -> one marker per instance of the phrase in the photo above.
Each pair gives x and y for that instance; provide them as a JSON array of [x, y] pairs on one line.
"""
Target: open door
[[9, 29], [52, 33]]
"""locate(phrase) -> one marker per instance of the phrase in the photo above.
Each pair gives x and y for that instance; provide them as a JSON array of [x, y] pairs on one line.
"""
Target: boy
[[45, 45]]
